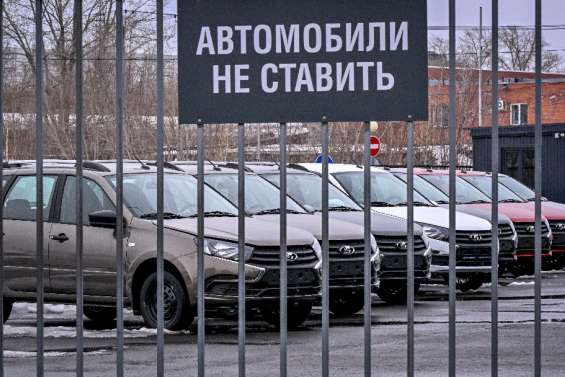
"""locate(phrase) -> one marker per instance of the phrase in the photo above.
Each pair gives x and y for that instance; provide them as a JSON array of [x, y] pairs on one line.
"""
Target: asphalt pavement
[[516, 345]]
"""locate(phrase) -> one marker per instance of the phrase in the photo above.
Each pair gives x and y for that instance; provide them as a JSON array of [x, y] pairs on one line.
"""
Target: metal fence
[[201, 367]]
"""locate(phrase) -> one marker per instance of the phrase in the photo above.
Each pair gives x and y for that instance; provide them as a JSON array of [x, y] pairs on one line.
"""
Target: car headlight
[[435, 232], [317, 249], [224, 249]]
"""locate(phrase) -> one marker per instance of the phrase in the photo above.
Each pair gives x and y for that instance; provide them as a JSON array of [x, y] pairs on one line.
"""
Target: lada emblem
[[291, 257], [402, 245], [475, 237], [346, 250]]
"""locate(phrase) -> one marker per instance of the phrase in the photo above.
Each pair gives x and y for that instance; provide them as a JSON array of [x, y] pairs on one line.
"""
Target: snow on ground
[[28, 354]]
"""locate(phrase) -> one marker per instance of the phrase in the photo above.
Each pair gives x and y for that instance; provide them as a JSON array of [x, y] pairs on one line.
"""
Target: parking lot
[[304, 351]]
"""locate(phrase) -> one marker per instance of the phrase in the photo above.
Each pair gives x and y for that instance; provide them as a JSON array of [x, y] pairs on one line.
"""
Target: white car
[[388, 196]]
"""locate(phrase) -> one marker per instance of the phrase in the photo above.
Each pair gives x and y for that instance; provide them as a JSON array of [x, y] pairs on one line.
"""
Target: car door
[[20, 249], [99, 244]]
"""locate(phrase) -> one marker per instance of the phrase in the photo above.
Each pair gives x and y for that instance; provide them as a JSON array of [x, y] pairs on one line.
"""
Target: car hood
[[338, 229], [257, 232], [437, 216], [381, 224], [551, 210], [517, 212], [483, 213]]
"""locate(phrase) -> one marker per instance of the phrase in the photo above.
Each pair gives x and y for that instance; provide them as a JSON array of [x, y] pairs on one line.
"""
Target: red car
[[553, 211], [511, 205]]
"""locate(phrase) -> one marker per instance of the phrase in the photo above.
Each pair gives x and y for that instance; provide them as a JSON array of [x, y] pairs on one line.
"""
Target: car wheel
[[100, 314], [298, 313], [178, 314], [469, 283], [346, 303], [395, 293], [8, 304]]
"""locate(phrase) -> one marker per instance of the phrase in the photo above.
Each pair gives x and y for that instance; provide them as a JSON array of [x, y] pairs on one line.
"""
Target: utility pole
[[481, 67]]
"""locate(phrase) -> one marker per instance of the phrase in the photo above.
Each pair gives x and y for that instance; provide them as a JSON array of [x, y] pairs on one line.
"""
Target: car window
[[306, 189], [93, 198], [385, 188], [140, 195], [519, 188], [425, 188], [484, 183], [464, 191], [21, 204], [259, 194]]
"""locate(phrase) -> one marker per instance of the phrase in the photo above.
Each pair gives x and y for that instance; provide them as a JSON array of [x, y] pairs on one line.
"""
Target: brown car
[[180, 254]]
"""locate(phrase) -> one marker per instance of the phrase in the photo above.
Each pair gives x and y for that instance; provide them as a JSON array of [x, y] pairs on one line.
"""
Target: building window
[[440, 116], [519, 114]]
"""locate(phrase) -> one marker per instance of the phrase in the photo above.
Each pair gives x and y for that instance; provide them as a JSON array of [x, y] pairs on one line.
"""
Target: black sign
[[302, 60]]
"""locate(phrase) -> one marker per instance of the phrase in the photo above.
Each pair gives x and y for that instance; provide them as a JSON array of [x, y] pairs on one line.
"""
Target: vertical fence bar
[[160, 193], [77, 34], [495, 166], [367, 238], [200, 242], [1, 188], [119, 189], [39, 177], [283, 265], [325, 254], [452, 200], [538, 188], [241, 244], [410, 250]]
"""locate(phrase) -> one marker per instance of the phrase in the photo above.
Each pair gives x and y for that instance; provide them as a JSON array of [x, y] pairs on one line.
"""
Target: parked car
[[347, 245], [180, 254], [306, 188], [483, 182], [469, 200], [389, 195]]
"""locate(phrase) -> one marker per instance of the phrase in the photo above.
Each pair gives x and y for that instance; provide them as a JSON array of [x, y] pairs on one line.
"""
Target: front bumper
[[303, 284], [468, 260]]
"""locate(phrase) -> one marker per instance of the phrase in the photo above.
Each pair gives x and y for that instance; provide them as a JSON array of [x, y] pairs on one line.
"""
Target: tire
[[178, 314], [298, 313], [346, 303], [8, 304], [100, 314], [469, 283], [395, 293]]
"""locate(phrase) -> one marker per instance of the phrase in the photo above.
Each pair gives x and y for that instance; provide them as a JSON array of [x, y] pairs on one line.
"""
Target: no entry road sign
[[302, 60], [375, 146]]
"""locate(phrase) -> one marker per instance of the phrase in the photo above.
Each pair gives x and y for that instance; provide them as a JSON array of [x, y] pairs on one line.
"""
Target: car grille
[[526, 236], [558, 229], [398, 244], [270, 256], [505, 232], [473, 239], [357, 245]]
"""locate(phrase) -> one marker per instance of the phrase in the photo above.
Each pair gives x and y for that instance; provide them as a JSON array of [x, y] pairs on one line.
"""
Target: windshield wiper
[[381, 204], [416, 204], [478, 201], [275, 211], [442, 201], [215, 214], [343, 209], [510, 201], [166, 216]]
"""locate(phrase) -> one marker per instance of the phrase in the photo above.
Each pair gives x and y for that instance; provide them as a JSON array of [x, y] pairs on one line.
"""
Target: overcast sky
[[511, 12]]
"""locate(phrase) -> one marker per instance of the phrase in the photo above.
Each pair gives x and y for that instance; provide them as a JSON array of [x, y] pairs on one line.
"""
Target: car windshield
[[425, 188], [386, 189], [306, 189], [484, 183], [140, 196], [260, 196], [465, 193], [518, 187]]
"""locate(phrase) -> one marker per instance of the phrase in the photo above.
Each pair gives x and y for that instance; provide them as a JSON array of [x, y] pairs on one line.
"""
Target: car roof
[[102, 167], [332, 168]]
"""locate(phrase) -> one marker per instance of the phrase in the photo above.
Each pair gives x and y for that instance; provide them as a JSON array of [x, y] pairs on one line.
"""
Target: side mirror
[[103, 219]]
